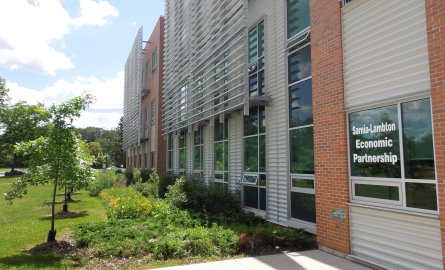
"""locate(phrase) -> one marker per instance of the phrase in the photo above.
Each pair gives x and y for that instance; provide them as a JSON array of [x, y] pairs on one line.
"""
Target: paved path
[[306, 260]]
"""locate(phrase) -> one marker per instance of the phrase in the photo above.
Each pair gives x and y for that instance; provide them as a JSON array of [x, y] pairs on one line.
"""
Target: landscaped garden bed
[[151, 225]]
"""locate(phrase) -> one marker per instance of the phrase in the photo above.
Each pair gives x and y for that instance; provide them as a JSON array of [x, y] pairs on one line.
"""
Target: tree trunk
[[52, 232], [14, 157], [65, 203]]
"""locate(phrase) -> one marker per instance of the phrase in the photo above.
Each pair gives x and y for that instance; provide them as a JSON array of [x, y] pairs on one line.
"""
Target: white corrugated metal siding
[[235, 150], [385, 51], [276, 111], [396, 240], [208, 153]]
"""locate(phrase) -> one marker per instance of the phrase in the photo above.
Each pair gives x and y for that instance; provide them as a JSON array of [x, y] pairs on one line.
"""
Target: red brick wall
[[330, 130], [155, 86], [435, 20]]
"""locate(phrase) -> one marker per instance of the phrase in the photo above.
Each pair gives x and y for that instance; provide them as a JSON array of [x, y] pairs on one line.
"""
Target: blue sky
[[52, 50]]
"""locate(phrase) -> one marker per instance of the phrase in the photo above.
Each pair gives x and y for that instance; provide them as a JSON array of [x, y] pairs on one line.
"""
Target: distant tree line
[[22, 122]]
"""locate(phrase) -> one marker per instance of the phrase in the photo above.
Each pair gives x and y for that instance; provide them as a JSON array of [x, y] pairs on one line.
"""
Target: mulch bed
[[65, 246]]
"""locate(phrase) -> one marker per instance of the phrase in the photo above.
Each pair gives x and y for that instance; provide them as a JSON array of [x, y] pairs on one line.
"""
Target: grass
[[24, 224]]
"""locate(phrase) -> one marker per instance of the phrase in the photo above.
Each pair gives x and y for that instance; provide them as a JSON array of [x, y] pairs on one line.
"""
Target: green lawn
[[25, 224]]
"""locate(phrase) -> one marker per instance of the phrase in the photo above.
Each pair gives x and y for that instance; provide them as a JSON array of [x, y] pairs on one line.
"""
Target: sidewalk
[[306, 260]]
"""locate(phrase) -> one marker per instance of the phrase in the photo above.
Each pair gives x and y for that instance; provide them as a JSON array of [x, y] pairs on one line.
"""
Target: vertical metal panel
[[276, 112], [204, 50], [235, 150], [396, 240], [208, 153], [132, 94], [385, 51]]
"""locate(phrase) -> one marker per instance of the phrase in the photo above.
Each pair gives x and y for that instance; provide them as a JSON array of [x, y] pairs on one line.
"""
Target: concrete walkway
[[306, 260]]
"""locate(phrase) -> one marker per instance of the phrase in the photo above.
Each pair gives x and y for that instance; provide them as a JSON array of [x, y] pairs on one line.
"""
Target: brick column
[[435, 21], [330, 130]]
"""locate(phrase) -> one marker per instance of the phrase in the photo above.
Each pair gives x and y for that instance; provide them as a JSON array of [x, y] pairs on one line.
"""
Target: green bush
[[129, 177], [165, 181], [166, 233], [124, 203], [104, 179], [176, 194], [149, 188], [145, 175], [195, 195]]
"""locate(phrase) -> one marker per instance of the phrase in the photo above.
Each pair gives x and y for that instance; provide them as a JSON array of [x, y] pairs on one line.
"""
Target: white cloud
[[106, 110], [28, 29], [94, 13]]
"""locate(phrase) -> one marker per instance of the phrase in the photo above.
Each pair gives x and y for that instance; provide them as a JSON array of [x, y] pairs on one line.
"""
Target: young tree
[[59, 158], [117, 152]]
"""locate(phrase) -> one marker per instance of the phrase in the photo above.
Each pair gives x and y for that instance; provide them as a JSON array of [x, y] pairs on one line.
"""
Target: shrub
[[176, 193], [129, 177], [150, 188], [166, 233], [165, 181], [145, 175], [195, 195], [124, 203], [104, 179]]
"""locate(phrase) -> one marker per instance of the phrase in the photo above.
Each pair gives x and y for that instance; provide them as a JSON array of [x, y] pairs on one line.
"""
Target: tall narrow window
[[182, 152], [169, 153], [301, 134], [153, 111], [297, 17], [154, 60], [147, 71], [254, 178], [256, 60], [221, 154], [198, 145]]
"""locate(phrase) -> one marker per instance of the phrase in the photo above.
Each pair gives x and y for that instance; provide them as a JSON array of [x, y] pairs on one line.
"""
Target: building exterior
[[327, 116], [143, 142]]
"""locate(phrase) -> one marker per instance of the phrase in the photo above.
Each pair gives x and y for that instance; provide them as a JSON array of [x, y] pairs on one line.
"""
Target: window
[[182, 152], [153, 112], [146, 122], [301, 133], [392, 155], [169, 152], [221, 162], [256, 60], [154, 60], [297, 17], [147, 71], [254, 178], [198, 147]]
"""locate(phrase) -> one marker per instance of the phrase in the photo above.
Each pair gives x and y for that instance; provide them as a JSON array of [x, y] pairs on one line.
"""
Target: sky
[[53, 50]]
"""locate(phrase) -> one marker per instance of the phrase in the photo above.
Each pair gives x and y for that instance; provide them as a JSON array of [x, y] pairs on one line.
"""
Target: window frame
[[254, 64], [225, 141], [201, 150], [154, 60], [170, 153], [375, 202], [183, 134], [153, 112], [258, 173], [289, 51]]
